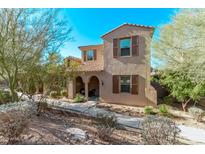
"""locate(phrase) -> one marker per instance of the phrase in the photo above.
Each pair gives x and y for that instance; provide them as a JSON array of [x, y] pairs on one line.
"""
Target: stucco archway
[[80, 86], [94, 87]]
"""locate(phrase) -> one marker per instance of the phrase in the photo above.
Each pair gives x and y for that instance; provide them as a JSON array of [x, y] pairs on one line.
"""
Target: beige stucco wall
[[139, 65], [128, 66], [98, 48]]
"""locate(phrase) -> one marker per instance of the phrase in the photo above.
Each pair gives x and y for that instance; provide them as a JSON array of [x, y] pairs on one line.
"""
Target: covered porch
[[88, 84]]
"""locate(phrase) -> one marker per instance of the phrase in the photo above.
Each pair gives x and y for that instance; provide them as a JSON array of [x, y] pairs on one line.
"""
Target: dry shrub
[[54, 94], [42, 105], [13, 123], [158, 131], [107, 123], [64, 93], [197, 113]]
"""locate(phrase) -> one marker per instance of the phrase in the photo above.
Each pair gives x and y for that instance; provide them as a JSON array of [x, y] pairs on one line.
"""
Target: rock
[[89, 142], [3, 140], [77, 134], [31, 139]]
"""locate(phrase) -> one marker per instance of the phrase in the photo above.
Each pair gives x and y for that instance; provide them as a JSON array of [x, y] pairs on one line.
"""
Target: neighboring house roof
[[90, 67], [127, 24]]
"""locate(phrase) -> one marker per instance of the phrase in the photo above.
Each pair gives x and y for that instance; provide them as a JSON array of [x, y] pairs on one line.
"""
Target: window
[[125, 83], [90, 55], [125, 47]]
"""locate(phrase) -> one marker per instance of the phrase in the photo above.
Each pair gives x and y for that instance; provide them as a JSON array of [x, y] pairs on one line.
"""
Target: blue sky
[[89, 24]]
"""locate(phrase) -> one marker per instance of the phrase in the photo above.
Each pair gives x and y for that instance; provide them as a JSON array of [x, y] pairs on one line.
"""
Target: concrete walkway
[[89, 108], [196, 135]]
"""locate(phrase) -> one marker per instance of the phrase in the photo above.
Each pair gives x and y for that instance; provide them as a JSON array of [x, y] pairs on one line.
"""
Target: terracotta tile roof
[[127, 24], [86, 66], [74, 59], [90, 67]]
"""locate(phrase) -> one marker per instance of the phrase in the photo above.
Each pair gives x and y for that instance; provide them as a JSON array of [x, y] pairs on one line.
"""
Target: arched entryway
[[80, 86], [93, 87]]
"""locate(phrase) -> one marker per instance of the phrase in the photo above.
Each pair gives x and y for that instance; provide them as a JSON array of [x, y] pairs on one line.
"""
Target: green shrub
[[5, 97], [79, 98], [64, 93], [149, 110], [163, 110], [54, 94]]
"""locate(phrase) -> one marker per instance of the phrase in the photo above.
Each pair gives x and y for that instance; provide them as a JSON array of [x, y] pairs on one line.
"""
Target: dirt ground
[[50, 128]]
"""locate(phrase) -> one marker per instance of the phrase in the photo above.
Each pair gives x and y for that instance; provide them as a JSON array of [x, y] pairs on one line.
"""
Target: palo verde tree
[[55, 73], [30, 79], [181, 55], [25, 36]]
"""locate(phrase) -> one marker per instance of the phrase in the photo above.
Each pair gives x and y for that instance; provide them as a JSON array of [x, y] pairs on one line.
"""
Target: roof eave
[[126, 24], [96, 45]]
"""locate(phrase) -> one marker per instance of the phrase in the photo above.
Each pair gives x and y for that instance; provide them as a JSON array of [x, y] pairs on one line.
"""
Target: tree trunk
[[12, 87], [184, 104], [13, 94]]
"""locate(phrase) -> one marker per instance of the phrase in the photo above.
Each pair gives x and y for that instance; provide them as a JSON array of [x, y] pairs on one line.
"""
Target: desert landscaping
[[47, 98]]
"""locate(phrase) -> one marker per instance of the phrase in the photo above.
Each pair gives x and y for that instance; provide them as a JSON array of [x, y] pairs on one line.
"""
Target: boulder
[[77, 134]]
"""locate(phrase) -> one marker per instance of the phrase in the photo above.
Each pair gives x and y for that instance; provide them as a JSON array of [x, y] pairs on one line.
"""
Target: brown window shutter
[[135, 84], [135, 45], [95, 54], [115, 83], [115, 47], [84, 55]]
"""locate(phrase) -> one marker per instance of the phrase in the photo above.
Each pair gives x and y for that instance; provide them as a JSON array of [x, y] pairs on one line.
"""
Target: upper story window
[[90, 55], [125, 47], [125, 83]]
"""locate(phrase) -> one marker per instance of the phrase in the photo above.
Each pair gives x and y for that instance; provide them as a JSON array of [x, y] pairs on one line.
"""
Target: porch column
[[86, 89], [71, 89]]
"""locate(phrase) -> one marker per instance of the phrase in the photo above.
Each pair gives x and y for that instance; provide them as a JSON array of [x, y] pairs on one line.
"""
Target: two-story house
[[117, 71]]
